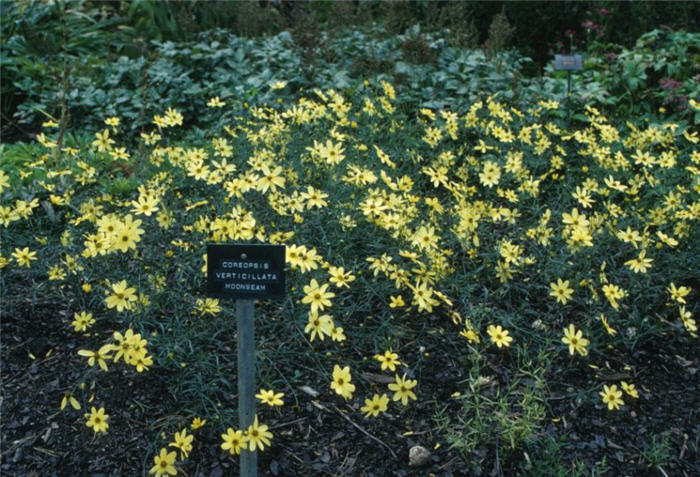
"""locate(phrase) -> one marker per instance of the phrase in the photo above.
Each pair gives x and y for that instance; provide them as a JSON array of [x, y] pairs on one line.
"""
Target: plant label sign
[[246, 271], [568, 62]]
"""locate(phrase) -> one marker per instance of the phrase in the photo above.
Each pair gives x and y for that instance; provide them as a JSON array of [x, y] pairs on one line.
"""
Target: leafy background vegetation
[[416, 149]]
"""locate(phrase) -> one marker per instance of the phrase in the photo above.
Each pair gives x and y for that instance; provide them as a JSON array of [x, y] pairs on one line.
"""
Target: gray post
[[568, 96], [246, 379]]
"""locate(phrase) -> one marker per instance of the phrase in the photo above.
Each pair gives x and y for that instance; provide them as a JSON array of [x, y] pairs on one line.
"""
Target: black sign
[[568, 62], [245, 271]]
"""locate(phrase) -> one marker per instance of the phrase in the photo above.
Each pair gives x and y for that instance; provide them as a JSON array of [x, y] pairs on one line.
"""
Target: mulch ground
[[317, 435]]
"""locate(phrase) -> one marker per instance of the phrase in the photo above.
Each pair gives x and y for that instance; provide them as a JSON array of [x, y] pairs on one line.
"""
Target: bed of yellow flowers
[[500, 226]]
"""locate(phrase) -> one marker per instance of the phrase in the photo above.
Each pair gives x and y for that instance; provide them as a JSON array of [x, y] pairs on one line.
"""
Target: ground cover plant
[[467, 271]]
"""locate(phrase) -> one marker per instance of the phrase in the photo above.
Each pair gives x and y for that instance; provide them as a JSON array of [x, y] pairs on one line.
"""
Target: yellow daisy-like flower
[[499, 336], [24, 257], [164, 464], [403, 389], [373, 407], [97, 419], [341, 381], [574, 338], [123, 297], [216, 102], [258, 436], [234, 441], [317, 296], [388, 360], [183, 441], [197, 422], [270, 397], [561, 291], [612, 397]]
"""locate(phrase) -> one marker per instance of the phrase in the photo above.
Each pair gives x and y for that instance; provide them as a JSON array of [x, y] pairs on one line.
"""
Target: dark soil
[[323, 435]]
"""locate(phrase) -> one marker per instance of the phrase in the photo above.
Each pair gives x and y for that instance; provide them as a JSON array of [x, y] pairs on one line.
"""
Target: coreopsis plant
[[97, 420], [234, 441], [341, 381], [399, 225]]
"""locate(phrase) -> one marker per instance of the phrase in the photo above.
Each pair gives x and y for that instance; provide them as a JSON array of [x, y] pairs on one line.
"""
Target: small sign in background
[[568, 62]]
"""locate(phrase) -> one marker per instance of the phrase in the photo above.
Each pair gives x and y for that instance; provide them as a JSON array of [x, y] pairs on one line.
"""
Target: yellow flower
[[688, 321], [630, 236], [127, 234], [113, 121], [629, 389], [271, 398], [574, 338], [183, 441], [609, 329], [490, 175], [337, 334], [24, 257], [4, 181], [317, 296], [207, 306], [320, 326], [68, 398], [376, 405], [341, 381], [499, 336], [640, 264], [388, 360], [396, 302], [234, 441], [423, 297], [100, 356], [97, 419], [145, 205], [613, 293], [197, 422], [122, 296], [471, 335], [340, 278], [402, 389], [56, 273], [257, 436], [102, 141], [679, 293], [82, 321], [612, 397], [561, 291], [215, 102], [164, 463]]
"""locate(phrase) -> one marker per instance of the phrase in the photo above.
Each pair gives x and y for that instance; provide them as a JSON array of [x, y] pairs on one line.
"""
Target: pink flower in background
[[669, 83]]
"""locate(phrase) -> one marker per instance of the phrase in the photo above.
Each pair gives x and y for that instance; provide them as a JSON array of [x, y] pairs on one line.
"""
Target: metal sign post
[[569, 63], [245, 272], [246, 378]]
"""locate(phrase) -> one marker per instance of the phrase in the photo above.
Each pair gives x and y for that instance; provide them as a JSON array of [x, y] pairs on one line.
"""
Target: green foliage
[[546, 457], [80, 61], [500, 34], [505, 415], [661, 71], [186, 74], [658, 450]]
